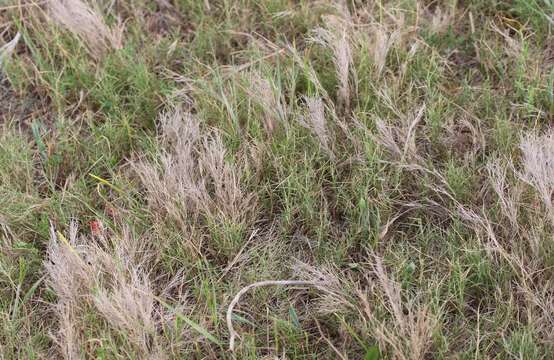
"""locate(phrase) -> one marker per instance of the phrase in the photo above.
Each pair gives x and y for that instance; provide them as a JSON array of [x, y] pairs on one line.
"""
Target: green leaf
[[36, 127], [243, 320], [195, 326], [294, 318], [372, 353], [26, 298]]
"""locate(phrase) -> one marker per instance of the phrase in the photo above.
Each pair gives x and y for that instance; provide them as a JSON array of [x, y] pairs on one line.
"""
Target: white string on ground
[[233, 334]]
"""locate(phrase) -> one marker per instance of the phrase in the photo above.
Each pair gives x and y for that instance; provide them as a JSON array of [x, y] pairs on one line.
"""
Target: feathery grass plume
[[108, 278], [528, 267], [382, 34], [312, 76], [337, 39], [528, 263], [67, 337], [387, 136], [336, 294], [87, 24], [69, 303], [399, 141], [378, 35], [125, 297], [7, 49], [410, 333], [314, 120], [482, 227], [382, 41], [507, 196], [538, 163], [171, 183], [129, 307], [70, 276], [222, 195], [264, 93], [406, 332], [193, 183]]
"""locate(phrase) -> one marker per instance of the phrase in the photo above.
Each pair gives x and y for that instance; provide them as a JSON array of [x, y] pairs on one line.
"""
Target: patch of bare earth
[[22, 109]]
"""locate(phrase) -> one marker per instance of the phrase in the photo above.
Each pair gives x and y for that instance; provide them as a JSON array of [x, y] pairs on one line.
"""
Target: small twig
[[236, 299], [411, 129], [19, 6], [239, 68], [333, 347], [236, 258]]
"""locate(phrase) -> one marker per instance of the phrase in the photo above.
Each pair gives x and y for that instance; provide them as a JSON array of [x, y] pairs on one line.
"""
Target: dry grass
[[267, 96], [441, 19], [337, 39], [538, 163], [407, 333], [192, 183], [87, 276], [410, 333], [400, 141], [508, 197], [315, 121], [295, 179], [382, 43], [8, 48], [86, 23]]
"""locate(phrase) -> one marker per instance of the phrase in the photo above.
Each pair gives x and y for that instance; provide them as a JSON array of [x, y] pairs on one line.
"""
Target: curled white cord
[[236, 299]]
